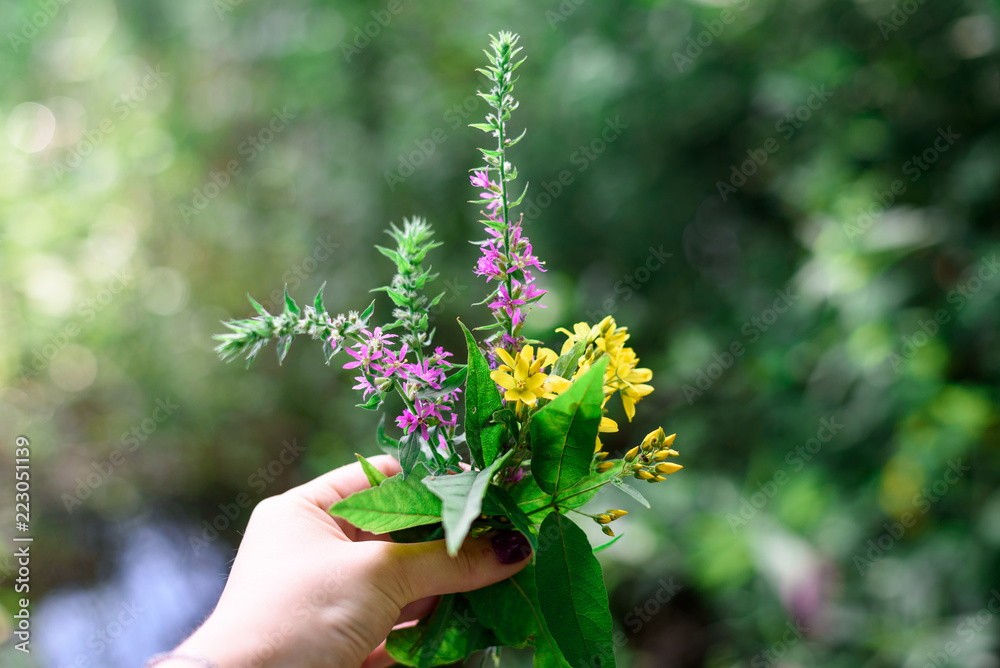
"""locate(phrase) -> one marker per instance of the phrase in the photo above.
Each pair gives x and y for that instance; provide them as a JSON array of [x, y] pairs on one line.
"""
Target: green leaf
[[631, 491], [290, 304], [572, 594], [409, 452], [375, 477], [389, 446], [530, 497], [498, 501], [397, 503], [318, 302], [450, 384], [373, 404], [449, 635], [481, 400], [510, 609], [257, 307], [485, 127], [608, 544], [566, 365], [563, 432], [462, 500], [367, 313], [397, 298], [284, 343]]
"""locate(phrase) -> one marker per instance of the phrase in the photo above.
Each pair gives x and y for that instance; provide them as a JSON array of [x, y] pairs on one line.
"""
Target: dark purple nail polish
[[510, 547]]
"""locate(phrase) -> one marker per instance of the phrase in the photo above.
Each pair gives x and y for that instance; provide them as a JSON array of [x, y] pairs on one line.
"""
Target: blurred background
[[792, 205]]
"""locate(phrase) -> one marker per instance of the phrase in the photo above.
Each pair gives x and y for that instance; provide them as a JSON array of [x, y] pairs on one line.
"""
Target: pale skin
[[307, 589]]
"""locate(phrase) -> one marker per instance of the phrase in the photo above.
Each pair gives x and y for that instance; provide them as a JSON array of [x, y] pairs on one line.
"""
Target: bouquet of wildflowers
[[529, 449]]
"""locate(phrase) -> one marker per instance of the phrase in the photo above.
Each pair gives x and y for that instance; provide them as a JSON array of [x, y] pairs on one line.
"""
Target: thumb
[[426, 569]]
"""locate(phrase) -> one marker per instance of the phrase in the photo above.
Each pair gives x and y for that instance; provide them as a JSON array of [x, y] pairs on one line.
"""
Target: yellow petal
[[548, 356], [629, 406], [608, 426], [535, 381], [503, 380], [505, 356]]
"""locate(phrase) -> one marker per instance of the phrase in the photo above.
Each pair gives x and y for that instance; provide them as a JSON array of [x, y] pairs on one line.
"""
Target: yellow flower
[[521, 376], [556, 385], [607, 426], [628, 380]]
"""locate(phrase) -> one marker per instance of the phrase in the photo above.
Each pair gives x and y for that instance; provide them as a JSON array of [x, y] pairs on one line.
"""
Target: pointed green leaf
[[257, 307], [373, 404], [608, 544], [409, 452], [631, 491], [390, 446], [563, 432], [572, 594], [368, 313], [567, 364], [375, 477], [462, 500], [284, 343], [481, 400], [290, 304], [450, 384], [395, 504], [318, 302]]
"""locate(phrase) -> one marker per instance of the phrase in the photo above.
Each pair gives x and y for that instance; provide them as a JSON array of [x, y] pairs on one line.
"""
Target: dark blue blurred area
[[792, 204]]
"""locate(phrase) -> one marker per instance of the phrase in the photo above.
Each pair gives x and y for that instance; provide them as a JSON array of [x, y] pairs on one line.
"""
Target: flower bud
[[669, 440], [658, 478], [603, 518], [643, 474], [601, 456], [607, 530], [615, 514], [605, 466], [661, 455], [668, 468], [632, 454]]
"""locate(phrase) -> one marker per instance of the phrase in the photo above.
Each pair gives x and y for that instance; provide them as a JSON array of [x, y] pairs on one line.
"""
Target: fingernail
[[510, 547]]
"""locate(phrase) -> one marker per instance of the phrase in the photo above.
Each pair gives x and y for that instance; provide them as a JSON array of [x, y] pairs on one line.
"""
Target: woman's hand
[[307, 589]]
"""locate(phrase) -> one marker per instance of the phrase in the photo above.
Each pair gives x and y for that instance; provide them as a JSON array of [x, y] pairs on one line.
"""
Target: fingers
[[426, 569], [418, 609], [331, 487], [379, 658]]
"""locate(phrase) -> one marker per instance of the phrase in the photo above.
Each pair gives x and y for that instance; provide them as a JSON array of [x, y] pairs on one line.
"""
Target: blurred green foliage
[[160, 159]]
